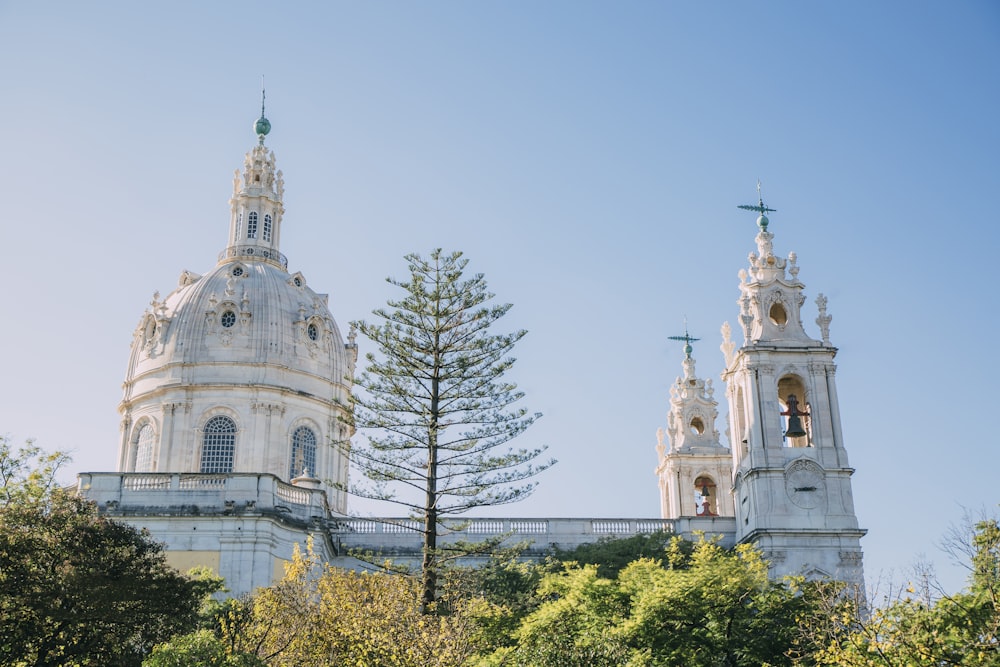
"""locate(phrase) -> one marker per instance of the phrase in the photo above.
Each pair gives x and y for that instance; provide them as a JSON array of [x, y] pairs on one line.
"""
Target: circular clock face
[[805, 484]]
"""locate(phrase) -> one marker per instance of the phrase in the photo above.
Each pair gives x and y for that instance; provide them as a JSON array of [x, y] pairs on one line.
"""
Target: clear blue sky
[[588, 158]]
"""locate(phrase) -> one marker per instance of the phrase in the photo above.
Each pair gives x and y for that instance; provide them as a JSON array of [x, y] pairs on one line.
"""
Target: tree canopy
[[77, 588], [699, 605], [961, 629], [434, 407], [319, 615]]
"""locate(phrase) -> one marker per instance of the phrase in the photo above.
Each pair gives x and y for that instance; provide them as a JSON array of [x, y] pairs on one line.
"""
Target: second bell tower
[[791, 476]]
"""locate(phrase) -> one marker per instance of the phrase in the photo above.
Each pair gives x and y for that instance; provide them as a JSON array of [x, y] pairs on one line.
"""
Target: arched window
[[239, 227], [144, 448], [218, 445], [267, 228], [252, 225], [303, 452]]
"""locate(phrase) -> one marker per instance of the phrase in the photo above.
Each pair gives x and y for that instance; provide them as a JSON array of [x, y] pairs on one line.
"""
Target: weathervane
[[263, 125], [760, 208], [686, 338]]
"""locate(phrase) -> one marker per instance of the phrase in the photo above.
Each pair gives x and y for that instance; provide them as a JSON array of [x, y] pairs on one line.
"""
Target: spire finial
[[760, 208], [263, 125], [686, 338]]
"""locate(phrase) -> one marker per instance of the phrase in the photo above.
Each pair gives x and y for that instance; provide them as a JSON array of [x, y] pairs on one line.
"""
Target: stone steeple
[[792, 479], [256, 205], [695, 474]]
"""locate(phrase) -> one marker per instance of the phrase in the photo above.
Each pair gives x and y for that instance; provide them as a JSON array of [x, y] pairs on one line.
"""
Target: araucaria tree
[[434, 409]]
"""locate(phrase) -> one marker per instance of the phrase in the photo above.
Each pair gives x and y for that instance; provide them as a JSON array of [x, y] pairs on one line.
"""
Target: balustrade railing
[[222, 490], [407, 527], [255, 252]]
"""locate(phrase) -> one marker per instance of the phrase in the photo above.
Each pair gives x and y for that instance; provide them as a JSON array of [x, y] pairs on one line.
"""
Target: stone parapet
[[401, 537], [198, 494]]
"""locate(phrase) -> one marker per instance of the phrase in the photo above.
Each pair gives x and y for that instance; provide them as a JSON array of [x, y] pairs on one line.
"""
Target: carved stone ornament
[[728, 346], [823, 320]]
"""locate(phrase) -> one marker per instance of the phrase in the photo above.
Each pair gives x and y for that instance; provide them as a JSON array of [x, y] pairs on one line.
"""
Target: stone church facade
[[236, 381]]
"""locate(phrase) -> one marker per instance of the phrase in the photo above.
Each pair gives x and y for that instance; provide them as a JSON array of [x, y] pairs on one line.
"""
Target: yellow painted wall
[[185, 560], [279, 569]]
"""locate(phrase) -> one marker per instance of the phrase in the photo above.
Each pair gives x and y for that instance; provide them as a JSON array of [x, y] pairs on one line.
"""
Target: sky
[[587, 157]]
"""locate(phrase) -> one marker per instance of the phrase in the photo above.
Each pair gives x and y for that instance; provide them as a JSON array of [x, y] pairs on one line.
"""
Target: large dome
[[242, 369], [244, 321]]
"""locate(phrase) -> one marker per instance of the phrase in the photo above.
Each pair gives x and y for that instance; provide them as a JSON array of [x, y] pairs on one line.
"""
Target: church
[[237, 379]]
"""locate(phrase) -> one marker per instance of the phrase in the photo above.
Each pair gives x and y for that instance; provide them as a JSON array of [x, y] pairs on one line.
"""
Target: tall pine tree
[[434, 409]]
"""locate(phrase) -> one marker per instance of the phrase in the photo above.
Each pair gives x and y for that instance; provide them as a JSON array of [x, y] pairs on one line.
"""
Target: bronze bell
[[795, 429]]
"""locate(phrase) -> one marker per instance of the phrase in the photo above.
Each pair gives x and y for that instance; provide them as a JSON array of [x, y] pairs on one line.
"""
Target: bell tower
[[791, 475], [695, 473]]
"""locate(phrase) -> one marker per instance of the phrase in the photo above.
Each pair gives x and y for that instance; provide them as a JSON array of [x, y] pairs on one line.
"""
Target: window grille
[[144, 449], [218, 445], [303, 452]]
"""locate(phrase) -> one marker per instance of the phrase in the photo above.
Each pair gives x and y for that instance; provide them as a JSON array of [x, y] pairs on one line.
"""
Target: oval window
[[228, 319], [313, 332], [778, 314], [238, 271]]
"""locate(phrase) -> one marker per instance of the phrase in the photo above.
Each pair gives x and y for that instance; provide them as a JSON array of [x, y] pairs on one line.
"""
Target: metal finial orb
[[762, 222], [262, 126]]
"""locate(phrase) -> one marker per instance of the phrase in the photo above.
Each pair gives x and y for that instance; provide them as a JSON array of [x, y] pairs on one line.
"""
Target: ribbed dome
[[242, 322], [242, 369]]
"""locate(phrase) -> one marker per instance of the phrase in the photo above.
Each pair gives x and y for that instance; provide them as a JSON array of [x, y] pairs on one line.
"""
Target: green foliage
[[27, 474], [719, 610], [962, 629], [318, 615], [706, 606], [508, 588], [435, 408], [611, 555], [576, 625], [201, 648], [77, 588]]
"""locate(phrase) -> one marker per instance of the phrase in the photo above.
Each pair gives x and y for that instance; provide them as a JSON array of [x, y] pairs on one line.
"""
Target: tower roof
[[770, 290]]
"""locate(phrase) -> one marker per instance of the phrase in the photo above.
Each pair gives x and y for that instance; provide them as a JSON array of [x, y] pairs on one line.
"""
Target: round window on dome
[[298, 281], [238, 271], [228, 319], [312, 332]]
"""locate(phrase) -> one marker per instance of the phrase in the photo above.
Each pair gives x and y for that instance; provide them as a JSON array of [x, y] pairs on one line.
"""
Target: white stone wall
[[243, 527]]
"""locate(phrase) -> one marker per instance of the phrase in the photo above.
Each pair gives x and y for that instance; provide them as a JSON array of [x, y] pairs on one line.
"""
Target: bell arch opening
[[796, 427], [705, 496]]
